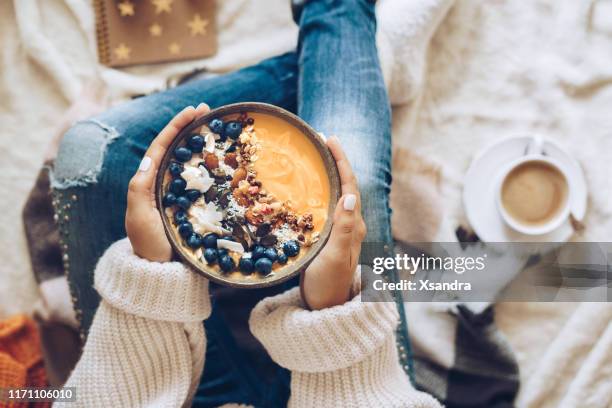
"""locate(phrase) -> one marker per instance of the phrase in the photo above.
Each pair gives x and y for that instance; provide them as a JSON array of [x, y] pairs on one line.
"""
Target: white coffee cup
[[535, 154]]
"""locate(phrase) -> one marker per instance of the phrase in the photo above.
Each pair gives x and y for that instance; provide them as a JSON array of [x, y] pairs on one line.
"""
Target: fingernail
[[349, 202], [201, 105], [145, 164]]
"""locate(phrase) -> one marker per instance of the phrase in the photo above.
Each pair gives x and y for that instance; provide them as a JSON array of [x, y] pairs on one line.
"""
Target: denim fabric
[[333, 82]]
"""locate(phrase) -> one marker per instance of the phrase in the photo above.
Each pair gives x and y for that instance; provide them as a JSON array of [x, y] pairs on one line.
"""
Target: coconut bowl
[[233, 279]]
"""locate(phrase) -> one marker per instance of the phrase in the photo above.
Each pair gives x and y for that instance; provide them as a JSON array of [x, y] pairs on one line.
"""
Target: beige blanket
[[492, 69]]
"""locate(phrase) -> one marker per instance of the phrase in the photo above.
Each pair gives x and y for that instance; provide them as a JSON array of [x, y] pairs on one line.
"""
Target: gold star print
[[122, 52], [126, 8], [197, 25], [162, 6], [155, 30], [174, 48]]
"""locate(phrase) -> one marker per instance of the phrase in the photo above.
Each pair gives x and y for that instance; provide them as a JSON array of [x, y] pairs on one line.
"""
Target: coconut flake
[[197, 179], [206, 218], [210, 142], [204, 130], [228, 170], [230, 245]]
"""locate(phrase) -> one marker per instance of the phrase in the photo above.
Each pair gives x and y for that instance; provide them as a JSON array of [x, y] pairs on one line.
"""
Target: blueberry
[[222, 252], [210, 254], [233, 130], [263, 266], [169, 199], [226, 263], [194, 241], [196, 143], [180, 216], [282, 258], [291, 248], [183, 202], [182, 154], [175, 168], [216, 126], [246, 265], [177, 186], [185, 229], [258, 252], [210, 240], [193, 195], [270, 253]]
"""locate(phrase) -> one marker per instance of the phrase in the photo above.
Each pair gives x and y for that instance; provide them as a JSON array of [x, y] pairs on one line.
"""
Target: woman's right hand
[[143, 221]]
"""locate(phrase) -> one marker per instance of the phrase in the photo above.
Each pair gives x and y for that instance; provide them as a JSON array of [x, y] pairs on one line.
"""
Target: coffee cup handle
[[536, 146]]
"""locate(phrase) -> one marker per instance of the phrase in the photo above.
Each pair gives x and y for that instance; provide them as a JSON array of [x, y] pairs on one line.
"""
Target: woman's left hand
[[143, 221], [327, 281]]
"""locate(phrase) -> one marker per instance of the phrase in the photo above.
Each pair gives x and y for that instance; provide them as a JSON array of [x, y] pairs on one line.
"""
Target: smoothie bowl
[[247, 194]]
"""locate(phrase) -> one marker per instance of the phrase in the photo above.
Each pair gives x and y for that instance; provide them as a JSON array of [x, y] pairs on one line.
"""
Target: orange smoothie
[[290, 167]]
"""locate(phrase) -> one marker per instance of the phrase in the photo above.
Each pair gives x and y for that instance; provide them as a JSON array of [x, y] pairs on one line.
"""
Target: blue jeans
[[333, 82]]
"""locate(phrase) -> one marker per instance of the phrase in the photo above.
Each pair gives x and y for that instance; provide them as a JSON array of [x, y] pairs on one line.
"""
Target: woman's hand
[[142, 219], [328, 279]]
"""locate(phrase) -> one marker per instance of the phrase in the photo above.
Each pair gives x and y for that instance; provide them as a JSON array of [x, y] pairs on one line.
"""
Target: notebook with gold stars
[[132, 32]]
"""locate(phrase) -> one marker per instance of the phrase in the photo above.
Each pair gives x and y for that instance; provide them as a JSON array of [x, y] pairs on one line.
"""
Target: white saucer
[[479, 191]]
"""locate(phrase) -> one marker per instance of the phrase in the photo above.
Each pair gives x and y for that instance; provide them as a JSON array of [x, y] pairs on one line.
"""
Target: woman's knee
[[81, 154]]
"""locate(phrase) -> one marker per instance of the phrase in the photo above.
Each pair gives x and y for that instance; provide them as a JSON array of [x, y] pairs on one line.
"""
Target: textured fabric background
[[492, 69]]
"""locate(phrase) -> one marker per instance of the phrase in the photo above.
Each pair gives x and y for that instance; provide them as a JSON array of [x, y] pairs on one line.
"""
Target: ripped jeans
[[333, 82]]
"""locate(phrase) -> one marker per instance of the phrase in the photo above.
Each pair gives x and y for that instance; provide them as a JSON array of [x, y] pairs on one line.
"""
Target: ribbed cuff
[[160, 291], [322, 340]]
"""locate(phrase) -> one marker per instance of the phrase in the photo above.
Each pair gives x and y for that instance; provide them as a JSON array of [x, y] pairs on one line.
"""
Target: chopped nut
[[253, 190], [243, 186], [263, 199], [252, 218], [239, 175], [230, 160], [305, 222], [240, 198], [211, 161]]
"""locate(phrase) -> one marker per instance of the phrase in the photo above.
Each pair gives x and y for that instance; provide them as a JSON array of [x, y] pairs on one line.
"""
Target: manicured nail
[[201, 105], [349, 202], [145, 164]]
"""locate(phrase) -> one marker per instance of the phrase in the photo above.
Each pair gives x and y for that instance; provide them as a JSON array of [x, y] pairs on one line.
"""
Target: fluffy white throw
[[490, 70]]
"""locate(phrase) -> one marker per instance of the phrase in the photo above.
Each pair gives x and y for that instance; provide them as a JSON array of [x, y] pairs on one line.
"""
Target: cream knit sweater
[[146, 345]]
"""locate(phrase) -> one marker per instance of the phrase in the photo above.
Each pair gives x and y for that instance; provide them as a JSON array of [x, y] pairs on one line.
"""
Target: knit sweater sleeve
[[340, 356], [146, 343]]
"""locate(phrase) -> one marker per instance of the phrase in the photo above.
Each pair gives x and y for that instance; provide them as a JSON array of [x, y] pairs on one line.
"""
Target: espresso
[[534, 193]]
